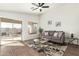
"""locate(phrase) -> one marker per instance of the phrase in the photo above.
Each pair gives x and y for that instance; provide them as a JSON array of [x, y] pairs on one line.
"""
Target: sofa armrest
[[63, 37]]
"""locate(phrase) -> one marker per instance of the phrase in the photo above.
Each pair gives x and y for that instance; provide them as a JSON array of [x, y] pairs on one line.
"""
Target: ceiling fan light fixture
[[40, 10]]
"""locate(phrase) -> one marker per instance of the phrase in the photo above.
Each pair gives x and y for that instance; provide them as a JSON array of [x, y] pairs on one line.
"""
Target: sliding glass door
[[6, 31], [10, 31]]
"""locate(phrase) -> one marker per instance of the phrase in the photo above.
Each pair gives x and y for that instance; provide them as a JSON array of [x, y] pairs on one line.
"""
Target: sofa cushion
[[46, 33], [55, 34], [60, 34], [51, 33]]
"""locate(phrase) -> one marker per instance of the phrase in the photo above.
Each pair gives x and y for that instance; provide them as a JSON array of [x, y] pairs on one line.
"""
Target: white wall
[[67, 14], [25, 18]]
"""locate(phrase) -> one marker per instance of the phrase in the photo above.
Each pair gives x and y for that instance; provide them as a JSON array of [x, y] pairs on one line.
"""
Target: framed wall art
[[58, 24]]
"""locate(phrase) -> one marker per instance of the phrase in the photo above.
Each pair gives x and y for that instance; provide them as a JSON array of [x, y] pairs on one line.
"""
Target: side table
[[73, 39]]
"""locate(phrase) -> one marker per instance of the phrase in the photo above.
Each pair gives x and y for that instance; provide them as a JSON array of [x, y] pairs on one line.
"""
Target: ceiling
[[24, 7]]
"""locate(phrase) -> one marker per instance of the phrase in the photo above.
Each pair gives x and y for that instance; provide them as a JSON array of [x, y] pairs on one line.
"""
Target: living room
[[60, 19]]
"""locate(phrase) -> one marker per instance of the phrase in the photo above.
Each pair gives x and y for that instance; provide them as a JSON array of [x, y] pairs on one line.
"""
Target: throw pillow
[[46, 33], [55, 34]]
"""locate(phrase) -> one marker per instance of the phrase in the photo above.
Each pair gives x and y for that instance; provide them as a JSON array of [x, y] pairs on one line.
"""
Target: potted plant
[[40, 32]]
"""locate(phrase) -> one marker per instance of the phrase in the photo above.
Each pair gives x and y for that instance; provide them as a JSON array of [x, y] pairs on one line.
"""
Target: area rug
[[51, 49], [57, 50]]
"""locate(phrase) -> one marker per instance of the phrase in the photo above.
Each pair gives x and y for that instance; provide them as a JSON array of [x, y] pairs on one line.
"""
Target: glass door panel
[[6, 29], [17, 31], [6, 33]]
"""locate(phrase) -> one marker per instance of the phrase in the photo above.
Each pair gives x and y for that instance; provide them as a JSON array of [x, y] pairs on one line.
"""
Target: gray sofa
[[54, 36]]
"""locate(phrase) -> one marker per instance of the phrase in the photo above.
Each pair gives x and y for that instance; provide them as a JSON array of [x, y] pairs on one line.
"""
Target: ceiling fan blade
[[34, 9], [41, 4], [35, 4], [45, 6]]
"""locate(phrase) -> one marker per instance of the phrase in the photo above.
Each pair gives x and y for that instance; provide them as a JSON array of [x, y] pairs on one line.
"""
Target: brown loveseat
[[54, 36]]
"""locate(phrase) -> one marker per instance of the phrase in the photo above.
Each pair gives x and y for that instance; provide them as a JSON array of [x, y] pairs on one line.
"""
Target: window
[[32, 28]]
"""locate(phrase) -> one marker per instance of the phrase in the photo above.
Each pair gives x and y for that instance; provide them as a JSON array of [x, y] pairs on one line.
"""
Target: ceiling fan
[[39, 6]]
